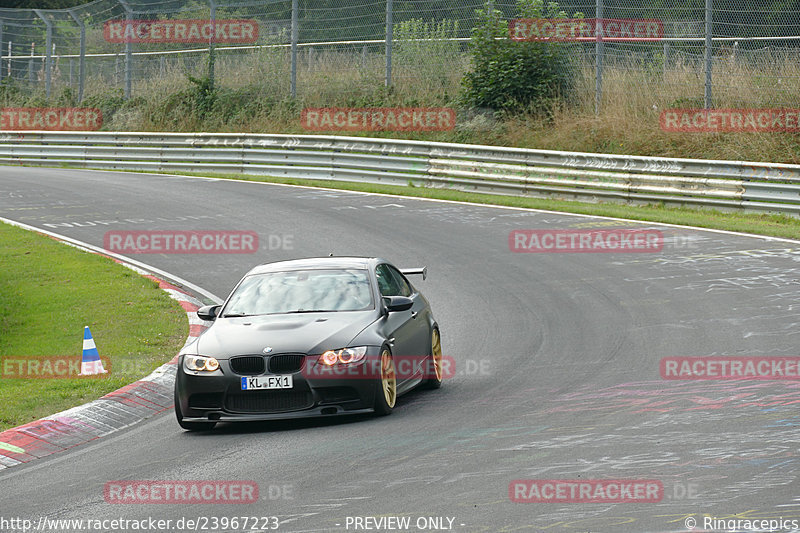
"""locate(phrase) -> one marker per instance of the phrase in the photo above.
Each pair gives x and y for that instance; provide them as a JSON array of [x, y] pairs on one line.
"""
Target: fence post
[[211, 41], [388, 80], [709, 25], [128, 49], [31, 78], [295, 37], [598, 52], [1, 48], [82, 60], [48, 51]]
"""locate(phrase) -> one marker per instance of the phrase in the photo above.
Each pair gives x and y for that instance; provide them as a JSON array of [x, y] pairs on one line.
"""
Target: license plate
[[267, 382]]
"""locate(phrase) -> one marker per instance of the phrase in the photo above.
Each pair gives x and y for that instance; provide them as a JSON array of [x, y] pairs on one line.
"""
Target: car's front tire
[[434, 370], [190, 426], [386, 385]]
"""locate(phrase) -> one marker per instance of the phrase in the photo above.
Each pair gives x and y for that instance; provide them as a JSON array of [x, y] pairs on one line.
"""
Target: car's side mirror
[[397, 303], [208, 312]]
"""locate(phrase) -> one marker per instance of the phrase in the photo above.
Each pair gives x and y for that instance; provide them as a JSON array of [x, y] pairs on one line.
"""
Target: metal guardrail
[[761, 187]]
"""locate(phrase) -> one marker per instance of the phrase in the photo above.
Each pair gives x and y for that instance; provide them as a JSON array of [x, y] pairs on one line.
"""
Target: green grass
[[773, 225], [48, 293]]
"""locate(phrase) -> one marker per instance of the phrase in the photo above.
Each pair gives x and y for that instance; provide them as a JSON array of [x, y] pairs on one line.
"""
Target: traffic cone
[[90, 363]]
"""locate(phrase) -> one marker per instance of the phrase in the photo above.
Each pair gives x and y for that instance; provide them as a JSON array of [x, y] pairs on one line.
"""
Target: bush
[[514, 76], [109, 102]]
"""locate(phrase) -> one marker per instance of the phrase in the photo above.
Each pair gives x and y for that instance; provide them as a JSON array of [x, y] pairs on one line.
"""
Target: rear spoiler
[[415, 271]]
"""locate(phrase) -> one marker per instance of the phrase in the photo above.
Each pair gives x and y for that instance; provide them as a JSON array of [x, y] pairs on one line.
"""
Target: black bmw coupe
[[310, 337]]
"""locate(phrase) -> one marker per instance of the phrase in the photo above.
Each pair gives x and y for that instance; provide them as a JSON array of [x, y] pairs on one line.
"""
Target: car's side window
[[402, 285], [387, 283]]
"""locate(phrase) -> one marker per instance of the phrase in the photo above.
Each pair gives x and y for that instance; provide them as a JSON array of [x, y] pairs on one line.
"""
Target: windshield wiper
[[238, 315]]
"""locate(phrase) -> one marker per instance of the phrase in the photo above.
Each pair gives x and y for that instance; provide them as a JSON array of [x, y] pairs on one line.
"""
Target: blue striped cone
[[90, 363]]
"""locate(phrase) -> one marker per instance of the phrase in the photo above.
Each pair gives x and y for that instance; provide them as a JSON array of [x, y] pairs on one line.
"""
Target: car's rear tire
[[434, 370], [190, 426], [386, 385]]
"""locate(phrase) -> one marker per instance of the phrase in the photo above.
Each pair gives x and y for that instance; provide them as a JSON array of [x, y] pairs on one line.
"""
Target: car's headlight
[[344, 355], [199, 363]]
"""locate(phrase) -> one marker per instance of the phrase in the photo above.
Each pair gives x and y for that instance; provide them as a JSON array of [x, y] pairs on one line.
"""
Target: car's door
[[404, 327], [419, 314], [408, 328]]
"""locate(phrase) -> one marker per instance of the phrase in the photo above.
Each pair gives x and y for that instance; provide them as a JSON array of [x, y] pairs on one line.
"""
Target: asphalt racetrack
[[557, 371]]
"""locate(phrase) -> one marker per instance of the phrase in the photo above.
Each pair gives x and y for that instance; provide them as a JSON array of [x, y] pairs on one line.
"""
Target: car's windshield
[[300, 291]]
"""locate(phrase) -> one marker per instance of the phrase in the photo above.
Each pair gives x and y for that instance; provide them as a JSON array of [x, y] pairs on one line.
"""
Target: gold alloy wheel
[[388, 378], [436, 351]]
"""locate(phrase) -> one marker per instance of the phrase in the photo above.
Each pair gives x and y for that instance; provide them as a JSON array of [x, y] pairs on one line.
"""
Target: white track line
[[458, 202]]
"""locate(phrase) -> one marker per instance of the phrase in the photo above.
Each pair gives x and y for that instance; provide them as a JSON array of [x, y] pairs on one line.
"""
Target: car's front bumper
[[218, 396], [327, 411]]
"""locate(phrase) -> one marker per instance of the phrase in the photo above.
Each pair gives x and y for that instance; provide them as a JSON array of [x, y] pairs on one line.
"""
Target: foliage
[[202, 95], [108, 102], [426, 50], [514, 76]]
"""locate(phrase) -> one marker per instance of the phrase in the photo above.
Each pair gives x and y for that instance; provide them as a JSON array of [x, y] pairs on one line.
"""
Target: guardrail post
[[82, 60], [48, 51], [295, 37], [709, 43]]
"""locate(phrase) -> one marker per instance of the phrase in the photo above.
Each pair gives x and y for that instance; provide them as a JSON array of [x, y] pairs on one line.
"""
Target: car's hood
[[310, 333]]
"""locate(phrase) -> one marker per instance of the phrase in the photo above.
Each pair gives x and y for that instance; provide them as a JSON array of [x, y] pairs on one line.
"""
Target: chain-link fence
[[725, 54]]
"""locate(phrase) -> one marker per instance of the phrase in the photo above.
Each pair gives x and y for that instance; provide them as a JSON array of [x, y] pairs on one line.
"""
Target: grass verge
[[773, 225], [48, 293]]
